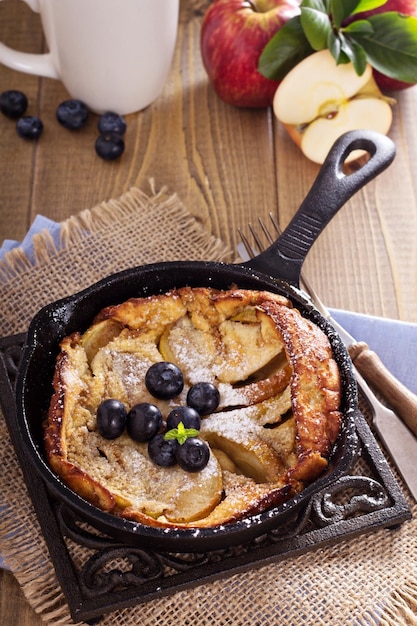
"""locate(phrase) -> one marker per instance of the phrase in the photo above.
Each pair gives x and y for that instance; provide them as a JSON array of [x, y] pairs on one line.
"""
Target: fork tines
[[252, 250]]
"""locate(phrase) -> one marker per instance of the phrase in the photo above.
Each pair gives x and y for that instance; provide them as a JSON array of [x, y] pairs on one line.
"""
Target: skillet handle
[[330, 191]]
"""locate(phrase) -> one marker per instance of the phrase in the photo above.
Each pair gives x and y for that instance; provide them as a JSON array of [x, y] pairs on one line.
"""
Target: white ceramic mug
[[114, 55]]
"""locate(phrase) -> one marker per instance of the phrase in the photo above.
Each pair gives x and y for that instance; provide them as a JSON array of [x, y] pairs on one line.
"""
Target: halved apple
[[318, 101]]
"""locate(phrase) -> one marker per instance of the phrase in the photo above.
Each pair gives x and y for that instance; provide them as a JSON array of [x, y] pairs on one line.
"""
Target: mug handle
[[38, 64]]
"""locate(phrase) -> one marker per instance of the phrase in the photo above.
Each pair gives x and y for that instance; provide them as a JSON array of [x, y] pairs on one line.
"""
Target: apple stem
[[252, 5]]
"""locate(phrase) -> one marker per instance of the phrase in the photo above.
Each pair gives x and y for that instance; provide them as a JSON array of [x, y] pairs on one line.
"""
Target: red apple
[[406, 7], [233, 36]]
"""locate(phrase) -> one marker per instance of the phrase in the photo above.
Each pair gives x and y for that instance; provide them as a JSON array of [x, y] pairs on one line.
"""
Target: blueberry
[[72, 114], [162, 451], [111, 418], [193, 455], [29, 127], [185, 414], [111, 123], [164, 380], [143, 421], [13, 103], [203, 397], [110, 146]]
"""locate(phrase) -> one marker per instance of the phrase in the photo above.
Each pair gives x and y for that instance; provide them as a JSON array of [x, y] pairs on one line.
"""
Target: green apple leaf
[[362, 28], [316, 26], [284, 50], [367, 5], [355, 54], [335, 45], [344, 50], [318, 5], [341, 9], [388, 41], [392, 47]]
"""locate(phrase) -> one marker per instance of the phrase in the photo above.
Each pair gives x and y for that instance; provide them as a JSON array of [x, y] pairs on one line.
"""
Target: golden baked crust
[[272, 433]]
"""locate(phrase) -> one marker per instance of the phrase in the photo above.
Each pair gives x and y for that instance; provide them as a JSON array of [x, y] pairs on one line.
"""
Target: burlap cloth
[[366, 581]]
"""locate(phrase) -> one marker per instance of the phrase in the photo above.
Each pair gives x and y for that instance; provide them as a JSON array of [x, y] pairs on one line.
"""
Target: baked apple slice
[[241, 438]]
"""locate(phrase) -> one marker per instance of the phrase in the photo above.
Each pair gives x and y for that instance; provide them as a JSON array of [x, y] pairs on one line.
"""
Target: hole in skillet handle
[[330, 191]]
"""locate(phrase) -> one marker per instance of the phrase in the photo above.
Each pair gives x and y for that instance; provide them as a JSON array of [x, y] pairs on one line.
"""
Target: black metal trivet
[[99, 575]]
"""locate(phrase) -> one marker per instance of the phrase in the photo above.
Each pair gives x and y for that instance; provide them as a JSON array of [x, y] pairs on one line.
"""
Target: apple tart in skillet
[[194, 408]]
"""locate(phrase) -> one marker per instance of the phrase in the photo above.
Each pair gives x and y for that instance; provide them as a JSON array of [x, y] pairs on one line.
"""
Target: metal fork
[[270, 239], [403, 446]]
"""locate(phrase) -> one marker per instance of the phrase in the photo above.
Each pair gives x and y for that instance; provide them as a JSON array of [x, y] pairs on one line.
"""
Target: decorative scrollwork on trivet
[[119, 568], [130, 568], [348, 497], [80, 532]]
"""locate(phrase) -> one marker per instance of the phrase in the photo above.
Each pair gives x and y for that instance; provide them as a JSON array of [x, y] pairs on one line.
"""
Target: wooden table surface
[[228, 166]]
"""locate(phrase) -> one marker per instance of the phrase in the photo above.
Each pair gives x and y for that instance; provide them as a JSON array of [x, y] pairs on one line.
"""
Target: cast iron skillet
[[277, 270]]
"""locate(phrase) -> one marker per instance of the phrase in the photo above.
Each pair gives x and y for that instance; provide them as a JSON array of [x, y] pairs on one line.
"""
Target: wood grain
[[228, 165], [14, 609]]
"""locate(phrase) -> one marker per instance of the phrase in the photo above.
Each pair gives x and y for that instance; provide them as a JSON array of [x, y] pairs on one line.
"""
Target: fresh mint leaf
[[316, 26], [392, 47], [284, 50], [181, 434]]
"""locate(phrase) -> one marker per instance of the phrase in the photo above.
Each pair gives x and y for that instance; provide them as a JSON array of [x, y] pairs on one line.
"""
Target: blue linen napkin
[[39, 223], [395, 342]]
